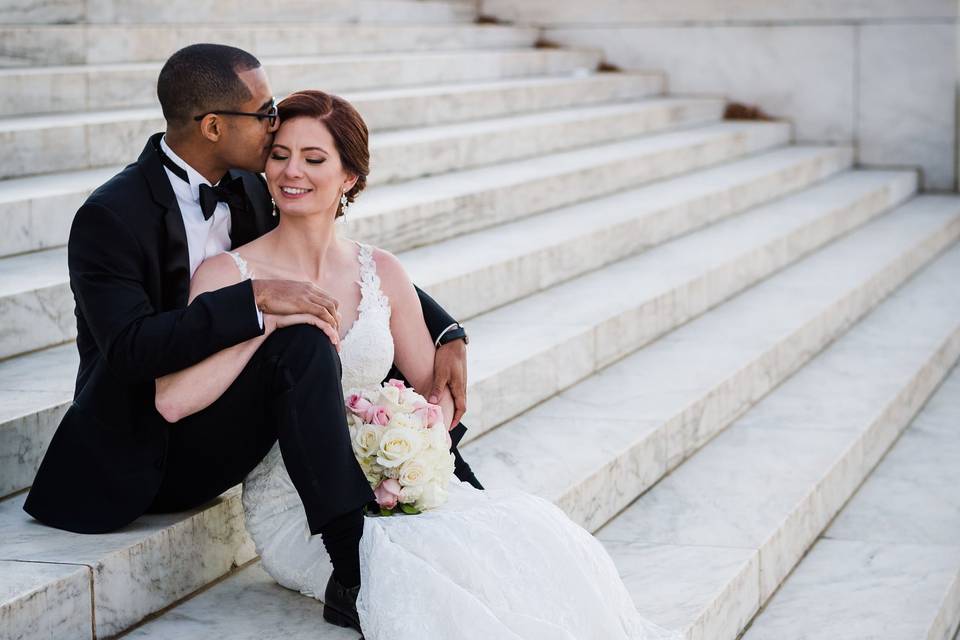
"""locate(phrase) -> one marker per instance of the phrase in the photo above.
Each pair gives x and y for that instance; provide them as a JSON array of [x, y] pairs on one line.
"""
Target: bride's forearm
[[195, 388]]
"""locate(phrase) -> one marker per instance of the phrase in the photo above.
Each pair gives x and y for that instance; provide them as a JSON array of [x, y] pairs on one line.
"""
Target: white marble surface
[[39, 600], [763, 12], [848, 590], [708, 592], [418, 212], [906, 90], [491, 267], [805, 73], [412, 153], [770, 487], [248, 605], [462, 101], [911, 497], [69, 142], [889, 565], [145, 566], [99, 44], [654, 292], [35, 90], [238, 11]]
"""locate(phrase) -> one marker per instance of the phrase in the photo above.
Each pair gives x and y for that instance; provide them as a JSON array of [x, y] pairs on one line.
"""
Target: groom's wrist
[[453, 332]]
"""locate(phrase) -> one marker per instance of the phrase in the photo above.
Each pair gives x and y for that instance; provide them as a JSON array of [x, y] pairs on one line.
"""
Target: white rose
[[400, 419], [366, 442], [433, 495], [439, 462], [389, 398], [409, 495], [397, 445], [414, 472], [410, 397], [436, 437], [372, 471]]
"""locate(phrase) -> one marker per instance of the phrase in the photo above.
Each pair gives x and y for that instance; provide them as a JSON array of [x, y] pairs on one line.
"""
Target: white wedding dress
[[485, 565]]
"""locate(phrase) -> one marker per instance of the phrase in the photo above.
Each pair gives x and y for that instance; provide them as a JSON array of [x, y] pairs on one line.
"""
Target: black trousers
[[289, 391]]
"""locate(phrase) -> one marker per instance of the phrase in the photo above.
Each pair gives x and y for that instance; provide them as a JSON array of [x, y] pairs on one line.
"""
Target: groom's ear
[[211, 127]]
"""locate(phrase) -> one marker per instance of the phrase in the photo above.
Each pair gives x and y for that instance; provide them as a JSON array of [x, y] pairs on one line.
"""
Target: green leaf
[[386, 512], [409, 509]]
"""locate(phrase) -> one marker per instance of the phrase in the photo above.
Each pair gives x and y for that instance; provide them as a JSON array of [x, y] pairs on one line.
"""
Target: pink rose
[[393, 382], [358, 405], [387, 493], [431, 414], [377, 415]]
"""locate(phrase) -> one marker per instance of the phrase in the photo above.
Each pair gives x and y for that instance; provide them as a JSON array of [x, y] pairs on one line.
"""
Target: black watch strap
[[456, 333]]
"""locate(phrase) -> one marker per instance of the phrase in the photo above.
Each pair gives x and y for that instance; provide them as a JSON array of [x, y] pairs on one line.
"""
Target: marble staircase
[[769, 317], [889, 565]]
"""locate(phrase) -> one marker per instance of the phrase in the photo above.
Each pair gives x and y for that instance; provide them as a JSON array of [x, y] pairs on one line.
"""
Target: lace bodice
[[366, 350]]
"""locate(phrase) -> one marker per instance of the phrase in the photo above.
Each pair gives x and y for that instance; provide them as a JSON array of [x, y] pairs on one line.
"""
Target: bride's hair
[[345, 124]]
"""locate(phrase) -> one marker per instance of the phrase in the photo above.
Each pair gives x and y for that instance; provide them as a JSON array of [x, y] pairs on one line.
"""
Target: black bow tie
[[229, 190]]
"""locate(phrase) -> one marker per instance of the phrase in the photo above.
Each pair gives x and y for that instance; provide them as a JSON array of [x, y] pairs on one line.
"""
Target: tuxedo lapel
[[175, 257]]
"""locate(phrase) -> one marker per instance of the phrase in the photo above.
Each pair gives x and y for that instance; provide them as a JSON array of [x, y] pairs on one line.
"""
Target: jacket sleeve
[[107, 276], [436, 318]]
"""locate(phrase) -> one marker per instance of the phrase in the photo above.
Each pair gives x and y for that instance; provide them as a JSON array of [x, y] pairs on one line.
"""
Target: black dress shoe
[[340, 604]]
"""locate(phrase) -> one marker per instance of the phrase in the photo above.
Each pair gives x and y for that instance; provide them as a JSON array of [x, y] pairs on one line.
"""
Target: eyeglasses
[[270, 114]]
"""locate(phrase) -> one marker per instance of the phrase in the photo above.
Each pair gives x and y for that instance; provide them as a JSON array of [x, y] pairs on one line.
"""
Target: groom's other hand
[[450, 370], [292, 298]]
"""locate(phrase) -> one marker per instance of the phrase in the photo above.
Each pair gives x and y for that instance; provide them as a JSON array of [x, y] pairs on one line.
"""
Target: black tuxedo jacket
[[130, 277]]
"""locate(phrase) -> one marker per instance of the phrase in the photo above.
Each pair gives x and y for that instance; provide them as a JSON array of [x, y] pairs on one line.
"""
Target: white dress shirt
[[205, 238]]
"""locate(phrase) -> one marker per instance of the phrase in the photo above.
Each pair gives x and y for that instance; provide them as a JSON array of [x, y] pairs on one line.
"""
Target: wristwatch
[[454, 332]]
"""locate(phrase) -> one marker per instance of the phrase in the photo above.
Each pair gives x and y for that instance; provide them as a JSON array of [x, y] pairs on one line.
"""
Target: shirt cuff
[[259, 314]]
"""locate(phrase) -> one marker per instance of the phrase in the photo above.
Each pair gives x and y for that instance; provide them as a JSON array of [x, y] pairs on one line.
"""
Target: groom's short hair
[[203, 77]]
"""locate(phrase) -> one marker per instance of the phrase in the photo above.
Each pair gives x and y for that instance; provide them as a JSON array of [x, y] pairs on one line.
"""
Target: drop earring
[[344, 203], [276, 210]]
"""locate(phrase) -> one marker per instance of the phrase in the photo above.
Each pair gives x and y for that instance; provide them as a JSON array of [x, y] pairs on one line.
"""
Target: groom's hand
[[450, 369], [291, 297]]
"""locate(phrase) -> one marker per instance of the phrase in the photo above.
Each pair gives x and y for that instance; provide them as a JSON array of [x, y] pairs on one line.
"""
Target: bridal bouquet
[[402, 445]]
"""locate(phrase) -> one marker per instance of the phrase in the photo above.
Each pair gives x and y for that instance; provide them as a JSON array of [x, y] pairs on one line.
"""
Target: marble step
[[70, 142], [97, 44], [36, 90], [478, 272], [156, 562], [36, 308], [38, 209], [227, 11], [535, 451], [419, 212], [706, 547], [403, 216], [889, 565]]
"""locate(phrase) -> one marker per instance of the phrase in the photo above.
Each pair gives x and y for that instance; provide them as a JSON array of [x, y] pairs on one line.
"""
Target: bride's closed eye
[[277, 156]]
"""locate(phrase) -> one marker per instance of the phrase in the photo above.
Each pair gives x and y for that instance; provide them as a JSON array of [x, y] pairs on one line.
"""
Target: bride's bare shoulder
[[394, 279], [214, 273]]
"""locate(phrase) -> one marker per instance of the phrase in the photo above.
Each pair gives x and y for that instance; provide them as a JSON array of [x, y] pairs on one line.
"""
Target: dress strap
[[242, 267], [371, 295]]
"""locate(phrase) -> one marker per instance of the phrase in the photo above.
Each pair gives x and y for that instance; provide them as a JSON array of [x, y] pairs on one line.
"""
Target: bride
[[485, 564]]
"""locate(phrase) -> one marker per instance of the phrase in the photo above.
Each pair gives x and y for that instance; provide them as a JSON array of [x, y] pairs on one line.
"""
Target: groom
[[133, 247]]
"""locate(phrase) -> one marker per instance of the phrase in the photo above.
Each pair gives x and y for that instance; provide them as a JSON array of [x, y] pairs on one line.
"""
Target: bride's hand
[[272, 322], [294, 298]]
